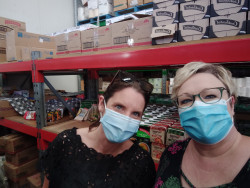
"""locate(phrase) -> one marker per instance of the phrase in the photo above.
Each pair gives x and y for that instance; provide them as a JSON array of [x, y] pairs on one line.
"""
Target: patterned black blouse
[[169, 170], [69, 163]]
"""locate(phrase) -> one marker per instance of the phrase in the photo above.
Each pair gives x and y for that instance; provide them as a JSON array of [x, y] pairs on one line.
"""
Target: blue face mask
[[207, 123], [118, 127]]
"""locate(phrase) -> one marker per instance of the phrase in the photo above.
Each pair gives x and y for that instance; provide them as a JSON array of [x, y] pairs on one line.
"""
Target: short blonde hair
[[193, 68]]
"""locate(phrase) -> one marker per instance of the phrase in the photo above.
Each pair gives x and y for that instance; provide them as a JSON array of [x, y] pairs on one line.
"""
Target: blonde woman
[[216, 154]]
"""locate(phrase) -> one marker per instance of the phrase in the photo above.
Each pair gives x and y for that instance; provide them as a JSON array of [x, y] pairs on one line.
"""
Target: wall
[[44, 17]]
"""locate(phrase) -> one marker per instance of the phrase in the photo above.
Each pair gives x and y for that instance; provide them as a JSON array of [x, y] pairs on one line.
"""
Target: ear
[[101, 106], [232, 104]]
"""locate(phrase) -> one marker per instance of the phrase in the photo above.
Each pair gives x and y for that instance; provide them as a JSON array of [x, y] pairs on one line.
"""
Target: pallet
[[94, 20], [134, 9]]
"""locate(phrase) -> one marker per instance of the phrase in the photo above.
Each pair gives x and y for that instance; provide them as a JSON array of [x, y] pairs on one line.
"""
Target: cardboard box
[[104, 37], [74, 42], [23, 156], [229, 25], [61, 44], [13, 143], [35, 181], [138, 31], [225, 7], [40, 53], [157, 150], [195, 10], [163, 3], [132, 3], [17, 41], [87, 39], [195, 30], [165, 16], [120, 4], [6, 110], [7, 25], [248, 23], [15, 173], [147, 1], [164, 34]]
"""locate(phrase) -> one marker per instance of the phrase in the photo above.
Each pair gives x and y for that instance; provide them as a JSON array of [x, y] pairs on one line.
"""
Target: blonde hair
[[193, 68]]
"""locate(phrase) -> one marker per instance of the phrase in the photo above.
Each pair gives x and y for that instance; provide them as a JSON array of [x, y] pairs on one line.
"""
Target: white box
[[165, 16], [195, 10], [228, 25], [225, 7], [92, 4], [105, 9], [195, 30]]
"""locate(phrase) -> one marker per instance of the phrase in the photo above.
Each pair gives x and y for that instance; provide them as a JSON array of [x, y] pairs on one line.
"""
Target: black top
[[169, 171], [70, 163]]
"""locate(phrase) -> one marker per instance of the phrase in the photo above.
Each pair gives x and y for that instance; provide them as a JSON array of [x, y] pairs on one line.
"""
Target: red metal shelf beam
[[32, 131], [212, 52], [16, 67]]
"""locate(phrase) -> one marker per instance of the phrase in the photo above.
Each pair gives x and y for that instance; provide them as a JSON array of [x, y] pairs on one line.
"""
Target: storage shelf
[[221, 50], [210, 50], [19, 124]]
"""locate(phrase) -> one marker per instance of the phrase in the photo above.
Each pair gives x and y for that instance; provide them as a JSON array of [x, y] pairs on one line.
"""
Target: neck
[[102, 144], [224, 147]]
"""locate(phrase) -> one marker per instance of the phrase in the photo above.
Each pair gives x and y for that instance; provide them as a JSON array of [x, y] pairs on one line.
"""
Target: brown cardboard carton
[[74, 42], [142, 31], [14, 143], [120, 4], [135, 31], [2, 52], [248, 23], [23, 156], [61, 44], [163, 3], [16, 41], [87, 38], [132, 3], [229, 25], [195, 10], [7, 25], [121, 32], [16, 173], [104, 39], [195, 30], [147, 1], [164, 34], [225, 7], [6, 110], [165, 16], [35, 181]]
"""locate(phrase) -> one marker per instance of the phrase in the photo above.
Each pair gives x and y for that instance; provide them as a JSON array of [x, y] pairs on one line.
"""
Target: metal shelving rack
[[228, 51]]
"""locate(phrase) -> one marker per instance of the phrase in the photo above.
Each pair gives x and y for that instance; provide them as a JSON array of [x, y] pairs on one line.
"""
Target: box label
[[194, 7], [227, 22], [193, 27], [237, 2]]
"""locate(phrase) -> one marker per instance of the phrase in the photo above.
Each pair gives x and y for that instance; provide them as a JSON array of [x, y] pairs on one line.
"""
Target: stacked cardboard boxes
[[21, 44], [199, 19], [7, 25], [228, 18], [194, 20], [21, 158]]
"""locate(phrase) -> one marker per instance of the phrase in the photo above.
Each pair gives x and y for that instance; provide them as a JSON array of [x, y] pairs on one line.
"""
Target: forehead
[[198, 82], [128, 97]]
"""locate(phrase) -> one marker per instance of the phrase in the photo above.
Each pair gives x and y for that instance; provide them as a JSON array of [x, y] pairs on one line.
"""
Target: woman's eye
[[118, 107], [137, 114], [185, 101], [210, 96]]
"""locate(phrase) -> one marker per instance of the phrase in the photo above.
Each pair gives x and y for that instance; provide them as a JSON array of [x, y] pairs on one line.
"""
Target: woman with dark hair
[[103, 155]]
